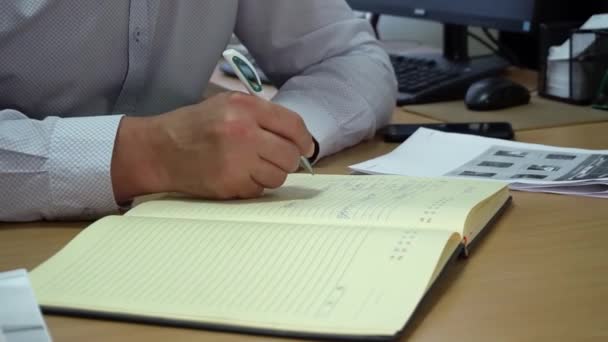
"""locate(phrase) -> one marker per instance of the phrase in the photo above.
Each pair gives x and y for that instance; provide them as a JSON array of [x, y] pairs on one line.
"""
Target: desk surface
[[540, 275]]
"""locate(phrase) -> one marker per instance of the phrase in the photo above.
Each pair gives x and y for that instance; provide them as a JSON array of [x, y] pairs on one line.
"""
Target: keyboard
[[431, 78]]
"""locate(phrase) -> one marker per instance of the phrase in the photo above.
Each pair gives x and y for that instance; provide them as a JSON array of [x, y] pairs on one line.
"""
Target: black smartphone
[[400, 132]]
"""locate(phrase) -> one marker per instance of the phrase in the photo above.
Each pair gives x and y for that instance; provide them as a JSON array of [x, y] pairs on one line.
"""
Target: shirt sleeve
[[57, 168], [327, 63]]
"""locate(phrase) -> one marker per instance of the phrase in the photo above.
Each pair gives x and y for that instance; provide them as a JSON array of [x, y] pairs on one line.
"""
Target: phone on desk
[[400, 132]]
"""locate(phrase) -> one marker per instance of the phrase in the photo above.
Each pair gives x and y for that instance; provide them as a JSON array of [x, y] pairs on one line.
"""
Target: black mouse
[[496, 93]]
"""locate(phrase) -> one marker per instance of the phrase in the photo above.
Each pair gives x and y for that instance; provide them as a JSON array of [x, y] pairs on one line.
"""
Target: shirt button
[[88, 213], [137, 34]]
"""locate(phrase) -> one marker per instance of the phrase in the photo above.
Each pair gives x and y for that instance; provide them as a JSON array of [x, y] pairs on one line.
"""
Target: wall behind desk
[[426, 32]]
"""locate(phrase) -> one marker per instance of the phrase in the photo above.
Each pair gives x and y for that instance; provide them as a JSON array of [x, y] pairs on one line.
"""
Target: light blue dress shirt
[[70, 68]]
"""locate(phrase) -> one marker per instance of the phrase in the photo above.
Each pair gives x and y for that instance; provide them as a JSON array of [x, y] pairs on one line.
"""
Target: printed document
[[528, 167]]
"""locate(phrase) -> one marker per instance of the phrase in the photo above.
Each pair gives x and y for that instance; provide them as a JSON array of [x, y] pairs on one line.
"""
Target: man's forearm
[[135, 170]]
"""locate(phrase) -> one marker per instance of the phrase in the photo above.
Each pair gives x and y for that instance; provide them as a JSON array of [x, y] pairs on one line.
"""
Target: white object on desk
[[562, 52], [20, 317], [559, 60], [526, 167]]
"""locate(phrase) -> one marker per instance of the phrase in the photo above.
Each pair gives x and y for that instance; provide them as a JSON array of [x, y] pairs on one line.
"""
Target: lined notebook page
[[298, 278], [388, 201]]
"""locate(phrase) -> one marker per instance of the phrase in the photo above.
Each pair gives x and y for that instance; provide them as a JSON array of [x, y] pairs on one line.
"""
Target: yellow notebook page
[[483, 212], [386, 201], [322, 279]]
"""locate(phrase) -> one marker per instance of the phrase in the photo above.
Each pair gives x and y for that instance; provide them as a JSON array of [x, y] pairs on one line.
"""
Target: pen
[[250, 78]]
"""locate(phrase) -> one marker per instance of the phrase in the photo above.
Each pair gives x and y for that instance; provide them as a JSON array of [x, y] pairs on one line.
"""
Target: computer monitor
[[516, 20], [510, 15], [457, 15]]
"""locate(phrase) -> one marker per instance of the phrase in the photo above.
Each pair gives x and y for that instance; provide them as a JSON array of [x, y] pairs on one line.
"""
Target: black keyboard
[[425, 79]]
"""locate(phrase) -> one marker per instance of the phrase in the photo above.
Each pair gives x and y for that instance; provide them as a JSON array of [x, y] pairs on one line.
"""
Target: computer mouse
[[496, 93]]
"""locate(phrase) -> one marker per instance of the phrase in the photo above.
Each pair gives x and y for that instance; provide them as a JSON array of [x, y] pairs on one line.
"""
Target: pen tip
[[306, 165]]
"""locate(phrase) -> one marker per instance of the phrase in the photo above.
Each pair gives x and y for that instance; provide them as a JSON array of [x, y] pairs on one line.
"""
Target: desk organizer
[[573, 63]]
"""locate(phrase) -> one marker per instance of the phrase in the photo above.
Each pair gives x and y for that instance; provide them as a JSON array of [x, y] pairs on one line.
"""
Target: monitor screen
[[505, 15]]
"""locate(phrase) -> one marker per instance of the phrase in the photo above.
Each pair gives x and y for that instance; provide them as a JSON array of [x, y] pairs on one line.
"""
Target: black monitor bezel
[[391, 7]]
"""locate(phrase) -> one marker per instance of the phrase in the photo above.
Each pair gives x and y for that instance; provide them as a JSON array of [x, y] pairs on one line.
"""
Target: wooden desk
[[540, 275]]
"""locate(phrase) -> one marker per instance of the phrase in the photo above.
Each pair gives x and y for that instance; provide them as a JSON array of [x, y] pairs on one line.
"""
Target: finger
[[268, 175], [283, 122], [278, 151]]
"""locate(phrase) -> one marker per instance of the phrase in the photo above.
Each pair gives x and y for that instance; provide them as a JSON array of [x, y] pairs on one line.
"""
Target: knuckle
[[241, 101], [234, 126]]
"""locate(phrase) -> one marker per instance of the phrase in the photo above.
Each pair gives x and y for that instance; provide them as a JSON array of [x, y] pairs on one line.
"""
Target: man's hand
[[230, 146]]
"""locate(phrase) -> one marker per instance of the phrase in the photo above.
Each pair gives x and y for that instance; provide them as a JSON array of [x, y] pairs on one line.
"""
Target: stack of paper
[[528, 167], [20, 317]]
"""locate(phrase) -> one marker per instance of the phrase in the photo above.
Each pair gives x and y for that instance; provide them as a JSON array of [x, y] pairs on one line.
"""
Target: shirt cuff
[[79, 167], [321, 124]]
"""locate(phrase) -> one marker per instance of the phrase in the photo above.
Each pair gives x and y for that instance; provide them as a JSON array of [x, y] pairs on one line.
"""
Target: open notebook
[[322, 256]]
